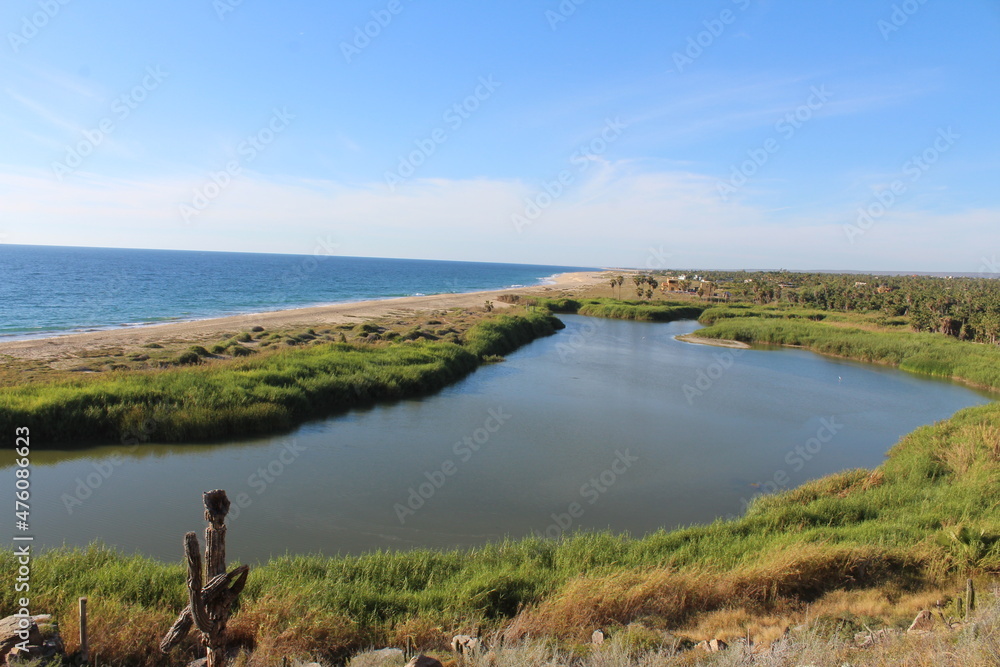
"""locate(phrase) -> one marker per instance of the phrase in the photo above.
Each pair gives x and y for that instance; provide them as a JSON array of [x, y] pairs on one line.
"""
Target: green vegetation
[[931, 354], [664, 311], [964, 308], [266, 392]]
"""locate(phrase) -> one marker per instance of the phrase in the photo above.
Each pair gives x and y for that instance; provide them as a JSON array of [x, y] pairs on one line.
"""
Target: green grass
[[644, 311], [256, 394], [930, 354]]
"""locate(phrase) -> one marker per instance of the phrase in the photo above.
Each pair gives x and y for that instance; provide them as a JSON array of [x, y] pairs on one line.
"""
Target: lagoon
[[608, 425]]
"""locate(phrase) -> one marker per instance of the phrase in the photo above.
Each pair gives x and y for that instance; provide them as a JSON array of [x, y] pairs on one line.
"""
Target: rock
[[712, 645], [597, 638], [465, 644], [32, 653], [15, 629], [423, 661], [924, 622], [22, 642]]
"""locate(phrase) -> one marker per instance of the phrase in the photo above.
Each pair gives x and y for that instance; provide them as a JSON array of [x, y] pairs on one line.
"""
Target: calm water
[[593, 422], [49, 290]]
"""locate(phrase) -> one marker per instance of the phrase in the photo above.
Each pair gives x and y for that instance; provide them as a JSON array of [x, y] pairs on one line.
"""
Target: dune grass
[[260, 393]]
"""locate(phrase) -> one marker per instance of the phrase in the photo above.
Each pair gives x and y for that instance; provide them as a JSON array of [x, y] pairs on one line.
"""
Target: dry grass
[[976, 645], [774, 590]]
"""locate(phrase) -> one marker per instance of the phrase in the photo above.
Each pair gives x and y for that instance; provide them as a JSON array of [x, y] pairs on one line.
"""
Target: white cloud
[[616, 214]]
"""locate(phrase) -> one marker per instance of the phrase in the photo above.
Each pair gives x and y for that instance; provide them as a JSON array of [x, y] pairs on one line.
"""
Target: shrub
[[188, 358]]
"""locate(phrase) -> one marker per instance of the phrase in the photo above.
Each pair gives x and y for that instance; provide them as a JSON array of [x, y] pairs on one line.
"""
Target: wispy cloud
[[626, 206], [43, 111]]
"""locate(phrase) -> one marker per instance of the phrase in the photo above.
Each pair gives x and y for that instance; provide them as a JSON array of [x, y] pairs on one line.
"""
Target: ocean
[[51, 290]]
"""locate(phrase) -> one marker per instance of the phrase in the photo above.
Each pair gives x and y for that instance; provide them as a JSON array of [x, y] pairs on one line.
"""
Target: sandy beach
[[70, 345]]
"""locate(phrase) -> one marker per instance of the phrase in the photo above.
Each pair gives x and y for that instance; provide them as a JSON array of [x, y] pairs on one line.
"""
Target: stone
[[465, 644], [31, 654], [597, 638], [423, 661], [12, 633], [712, 645], [924, 622]]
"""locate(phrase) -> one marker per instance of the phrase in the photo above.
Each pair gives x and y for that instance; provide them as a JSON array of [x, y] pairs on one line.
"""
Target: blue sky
[[858, 134]]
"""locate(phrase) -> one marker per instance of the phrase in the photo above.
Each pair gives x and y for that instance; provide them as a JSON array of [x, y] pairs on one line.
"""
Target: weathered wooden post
[[209, 604], [970, 599], [84, 648]]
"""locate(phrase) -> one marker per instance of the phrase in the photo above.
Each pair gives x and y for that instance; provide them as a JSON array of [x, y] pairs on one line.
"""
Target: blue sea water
[[48, 290]]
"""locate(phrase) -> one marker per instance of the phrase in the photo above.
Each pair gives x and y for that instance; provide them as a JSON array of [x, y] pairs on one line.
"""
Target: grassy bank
[[256, 393], [868, 546], [927, 353], [643, 311]]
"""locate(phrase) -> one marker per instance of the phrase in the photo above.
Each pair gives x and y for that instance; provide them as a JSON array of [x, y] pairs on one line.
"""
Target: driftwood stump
[[209, 604]]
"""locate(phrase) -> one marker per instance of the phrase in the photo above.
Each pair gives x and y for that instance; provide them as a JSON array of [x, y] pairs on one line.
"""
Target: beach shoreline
[[338, 313]]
